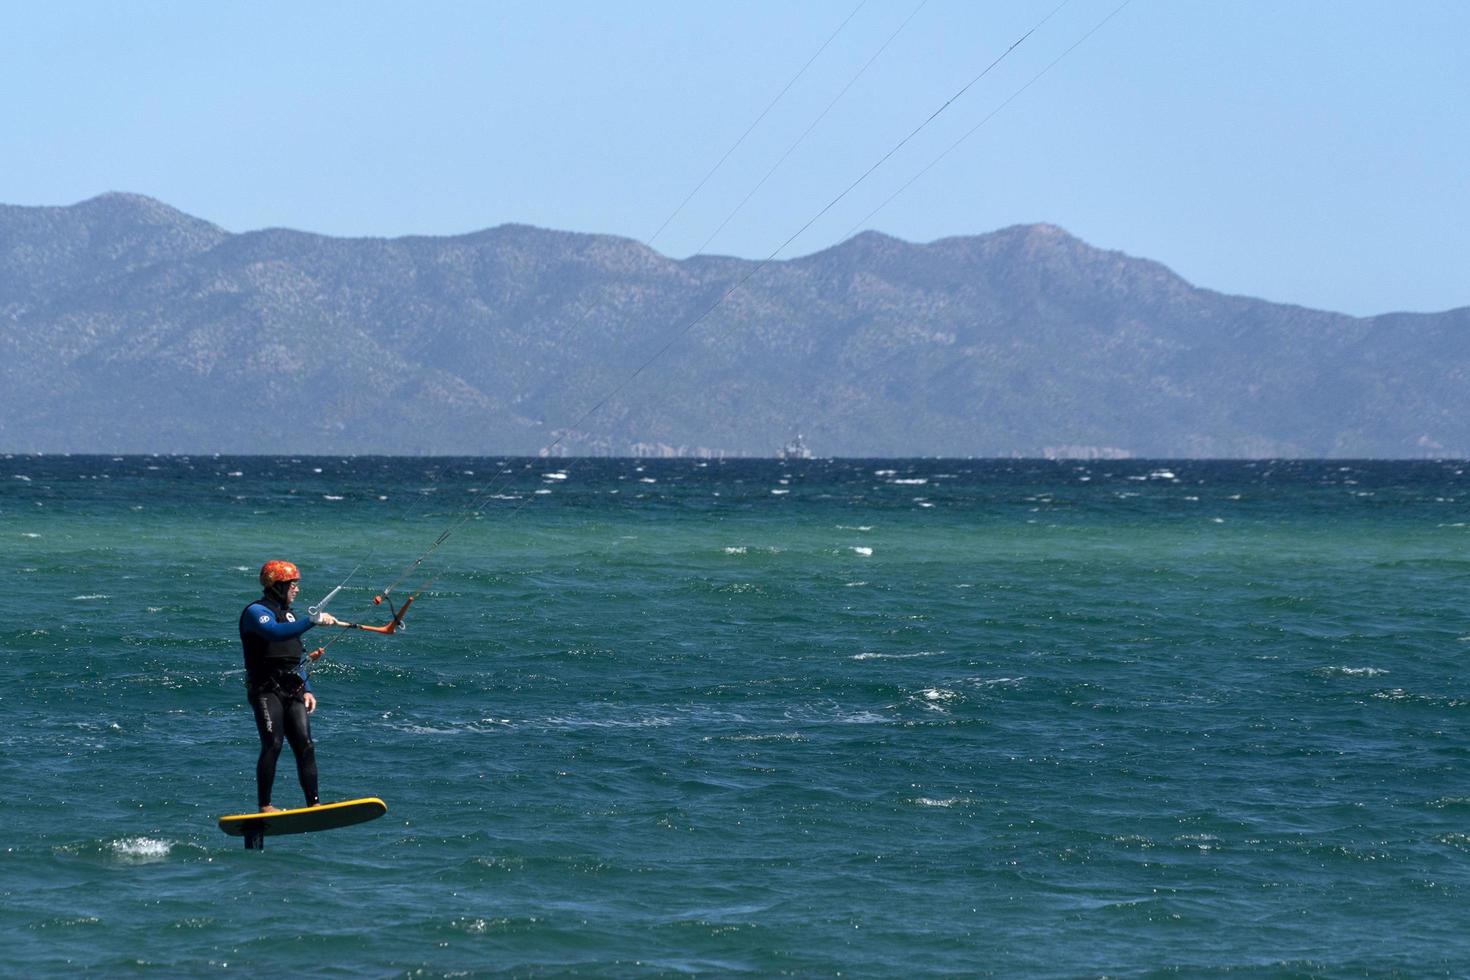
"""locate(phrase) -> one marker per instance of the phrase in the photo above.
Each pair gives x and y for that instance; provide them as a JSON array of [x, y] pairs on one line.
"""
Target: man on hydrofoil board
[[279, 692]]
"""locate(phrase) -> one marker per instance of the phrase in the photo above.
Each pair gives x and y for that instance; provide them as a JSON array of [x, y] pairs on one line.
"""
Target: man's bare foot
[[270, 809]]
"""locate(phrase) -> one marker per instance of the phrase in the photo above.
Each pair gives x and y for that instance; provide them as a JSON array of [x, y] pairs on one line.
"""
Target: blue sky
[[1305, 151]]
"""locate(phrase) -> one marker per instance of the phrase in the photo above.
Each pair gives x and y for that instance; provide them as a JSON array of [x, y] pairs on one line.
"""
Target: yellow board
[[327, 816]]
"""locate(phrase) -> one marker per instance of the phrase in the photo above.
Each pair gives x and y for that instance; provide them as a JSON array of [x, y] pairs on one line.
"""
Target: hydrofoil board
[[255, 827]]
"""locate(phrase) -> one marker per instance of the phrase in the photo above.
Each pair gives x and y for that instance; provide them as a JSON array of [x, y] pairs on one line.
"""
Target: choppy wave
[[1351, 671]]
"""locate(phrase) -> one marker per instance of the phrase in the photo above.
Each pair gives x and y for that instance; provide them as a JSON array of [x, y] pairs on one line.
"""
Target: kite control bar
[[392, 626]]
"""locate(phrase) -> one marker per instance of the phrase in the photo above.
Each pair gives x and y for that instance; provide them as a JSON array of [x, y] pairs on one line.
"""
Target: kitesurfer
[[280, 695]]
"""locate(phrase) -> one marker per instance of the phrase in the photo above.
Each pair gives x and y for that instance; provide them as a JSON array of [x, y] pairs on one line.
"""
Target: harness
[[287, 685]]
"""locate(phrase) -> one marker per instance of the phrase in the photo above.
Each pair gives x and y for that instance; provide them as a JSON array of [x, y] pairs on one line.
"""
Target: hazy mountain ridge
[[130, 326]]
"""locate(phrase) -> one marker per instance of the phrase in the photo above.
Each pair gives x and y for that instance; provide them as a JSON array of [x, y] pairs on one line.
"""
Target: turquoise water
[[870, 718]]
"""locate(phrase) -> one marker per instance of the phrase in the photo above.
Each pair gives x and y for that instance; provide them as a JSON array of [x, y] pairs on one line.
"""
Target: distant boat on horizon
[[796, 448]]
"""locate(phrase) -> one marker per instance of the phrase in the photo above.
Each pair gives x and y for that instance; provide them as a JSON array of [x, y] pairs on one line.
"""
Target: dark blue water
[[870, 718]]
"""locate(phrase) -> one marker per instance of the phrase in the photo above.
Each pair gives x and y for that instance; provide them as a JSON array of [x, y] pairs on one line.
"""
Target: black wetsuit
[[271, 636]]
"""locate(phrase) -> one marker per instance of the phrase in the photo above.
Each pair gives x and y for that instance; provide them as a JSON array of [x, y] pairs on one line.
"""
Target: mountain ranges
[[128, 326]]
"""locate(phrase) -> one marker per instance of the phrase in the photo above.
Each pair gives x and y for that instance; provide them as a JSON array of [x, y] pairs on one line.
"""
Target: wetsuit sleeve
[[260, 621]]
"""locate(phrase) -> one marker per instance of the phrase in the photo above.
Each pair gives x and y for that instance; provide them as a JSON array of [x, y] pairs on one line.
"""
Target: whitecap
[[29, 534], [558, 475], [97, 595], [557, 721], [893, 656], [1350, 671], [68, 921], [738, 550], [996, 681], [774, 737], [934, 698], [539, 492], [141, 849], [330, 496], [926, 801], [858, 549], [19, 476], [917, 481], [1204, 842], [235, 473]]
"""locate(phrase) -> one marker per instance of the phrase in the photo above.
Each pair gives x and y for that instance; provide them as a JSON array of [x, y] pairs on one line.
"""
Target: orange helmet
[[278, 571]]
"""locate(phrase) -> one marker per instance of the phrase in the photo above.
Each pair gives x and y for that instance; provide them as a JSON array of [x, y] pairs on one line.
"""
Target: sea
[[882, 718]]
